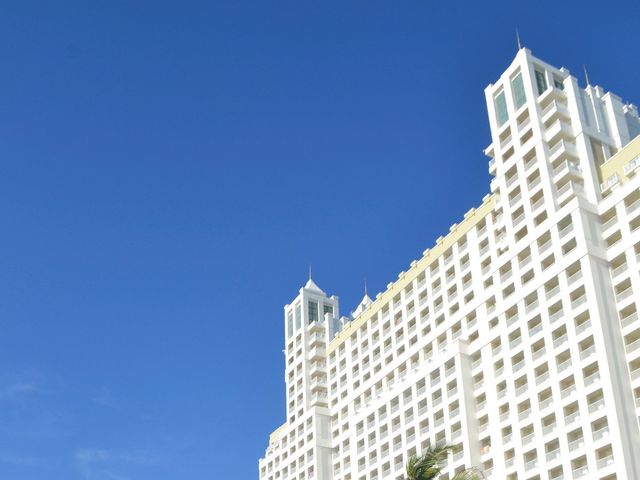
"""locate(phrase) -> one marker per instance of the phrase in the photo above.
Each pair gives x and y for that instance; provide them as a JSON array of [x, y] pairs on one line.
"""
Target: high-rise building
[[515, 339]]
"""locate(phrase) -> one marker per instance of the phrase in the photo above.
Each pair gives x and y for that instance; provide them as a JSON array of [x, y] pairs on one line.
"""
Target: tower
[[515, 338]]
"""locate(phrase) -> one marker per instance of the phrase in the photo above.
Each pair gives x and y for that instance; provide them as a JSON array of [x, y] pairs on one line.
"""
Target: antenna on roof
[[586, 75], [518, 40]]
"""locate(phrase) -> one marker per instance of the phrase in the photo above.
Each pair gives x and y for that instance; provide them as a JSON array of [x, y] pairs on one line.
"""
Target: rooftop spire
[[364, 303], [586, 75], [518, 40], [311, 285]]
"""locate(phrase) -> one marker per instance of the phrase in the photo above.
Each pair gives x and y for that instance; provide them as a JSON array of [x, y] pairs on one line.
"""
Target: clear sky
[[168, 170]]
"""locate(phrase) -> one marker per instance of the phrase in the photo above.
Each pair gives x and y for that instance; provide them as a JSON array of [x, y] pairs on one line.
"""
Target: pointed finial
[[586, 75], [366, 290], [309, 271], [518, 40]]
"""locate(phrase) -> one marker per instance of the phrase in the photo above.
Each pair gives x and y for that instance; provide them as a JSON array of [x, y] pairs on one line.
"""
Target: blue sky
[[169, 170]]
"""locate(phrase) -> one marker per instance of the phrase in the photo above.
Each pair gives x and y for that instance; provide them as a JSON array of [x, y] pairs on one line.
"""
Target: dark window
[[501, 109], [313, 311], [541, 82]]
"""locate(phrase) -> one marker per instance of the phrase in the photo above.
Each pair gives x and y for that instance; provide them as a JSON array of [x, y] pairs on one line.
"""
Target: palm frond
[[427, 465], [469, 474]]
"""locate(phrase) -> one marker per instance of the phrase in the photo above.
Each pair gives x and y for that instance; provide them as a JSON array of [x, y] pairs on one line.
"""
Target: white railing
[[605, 461], [632, 165], [609, 182]]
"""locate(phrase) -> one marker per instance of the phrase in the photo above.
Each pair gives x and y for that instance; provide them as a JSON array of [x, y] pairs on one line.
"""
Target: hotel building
[[515, 338]]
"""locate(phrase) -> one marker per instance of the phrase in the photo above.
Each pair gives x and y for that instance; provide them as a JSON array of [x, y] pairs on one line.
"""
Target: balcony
[[317, 368], [597, 405], [580, 472], [632, 167], [609, 183], [587, 352], [569, 419], [633, 208], [524, 414], [316, 339], [569, 190], [529, 164], [566, 230], [578, 302], [567, 391], [633, 346], [624, 294], [555, 109], [539, 353], [551, 456], [563, 149], [560, 340], [564, 365], [629, 319], [318, 383], [576, 444], [535, 330], [530, 307], [591, 379], [539, 203], [619, 270], [506, 141], [557, 131], [605, 462], [567, 169], [523, 126], [600, 433], [319, 398], [574, 277], [317, 353], [531, 464], [556, 315], [536, 181], [515, 342], [608, 224], [553, 292]]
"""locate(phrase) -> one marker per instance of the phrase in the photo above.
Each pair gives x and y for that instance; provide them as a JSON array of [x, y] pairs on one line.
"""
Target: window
[[313, 311], [541, 82], [328, 309], [558, 84], [519, 97], [290, 324], [298, 317], [501, 109]]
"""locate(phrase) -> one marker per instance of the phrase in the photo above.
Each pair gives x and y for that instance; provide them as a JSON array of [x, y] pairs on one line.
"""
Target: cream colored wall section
[[617, 163], [277, 433], [471, 219]]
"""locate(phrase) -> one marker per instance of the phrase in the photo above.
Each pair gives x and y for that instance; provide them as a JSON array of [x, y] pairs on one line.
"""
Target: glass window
[[541, 81], [298, 317], [290, 325], [501, 109], [519, 97], [313, 311], [558, 83], [328, 309]]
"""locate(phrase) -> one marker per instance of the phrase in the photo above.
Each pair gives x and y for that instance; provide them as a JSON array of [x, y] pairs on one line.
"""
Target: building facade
[[515, 338]]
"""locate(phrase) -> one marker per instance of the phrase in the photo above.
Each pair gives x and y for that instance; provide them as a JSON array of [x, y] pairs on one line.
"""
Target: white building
[[515, 338]]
